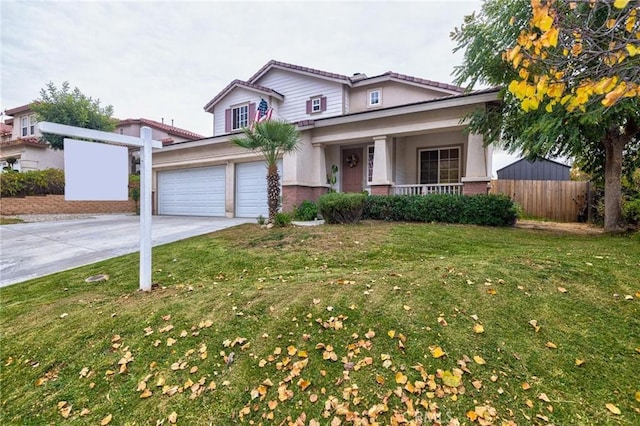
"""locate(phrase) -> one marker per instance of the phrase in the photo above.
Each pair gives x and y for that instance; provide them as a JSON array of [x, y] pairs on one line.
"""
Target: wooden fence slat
[[557, 200]]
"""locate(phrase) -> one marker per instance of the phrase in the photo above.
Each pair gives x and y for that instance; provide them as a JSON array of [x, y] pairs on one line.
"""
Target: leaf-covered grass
[[9, 220], [309, 314]]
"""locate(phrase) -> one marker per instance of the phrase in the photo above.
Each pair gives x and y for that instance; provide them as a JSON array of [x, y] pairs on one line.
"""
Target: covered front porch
[[413, 150]]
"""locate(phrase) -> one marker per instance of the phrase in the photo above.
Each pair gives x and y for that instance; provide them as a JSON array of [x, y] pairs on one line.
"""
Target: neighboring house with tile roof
[[21, 142], [21, 139], [388, 134]]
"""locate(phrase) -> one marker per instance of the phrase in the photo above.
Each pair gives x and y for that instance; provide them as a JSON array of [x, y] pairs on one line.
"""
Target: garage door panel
[[251, 189], [192, 192]]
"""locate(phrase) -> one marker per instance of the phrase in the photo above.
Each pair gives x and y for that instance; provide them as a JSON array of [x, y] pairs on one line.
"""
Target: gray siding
[[537, 170]]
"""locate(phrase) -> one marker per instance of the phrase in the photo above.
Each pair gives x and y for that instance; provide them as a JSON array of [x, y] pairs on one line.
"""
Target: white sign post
[[145, 143]]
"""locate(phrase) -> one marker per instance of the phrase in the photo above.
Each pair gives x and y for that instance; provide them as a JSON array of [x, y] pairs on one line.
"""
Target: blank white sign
[[95, 171]]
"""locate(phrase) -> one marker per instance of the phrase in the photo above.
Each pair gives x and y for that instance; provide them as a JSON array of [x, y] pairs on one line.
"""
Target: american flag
[[263, 112]]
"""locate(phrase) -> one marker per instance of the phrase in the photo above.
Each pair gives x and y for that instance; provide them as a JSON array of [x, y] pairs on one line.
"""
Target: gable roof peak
[[297, 68]]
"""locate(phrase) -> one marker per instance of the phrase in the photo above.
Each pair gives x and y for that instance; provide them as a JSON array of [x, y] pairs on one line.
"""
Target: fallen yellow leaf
[[401, 379], [391, 333], [638, 396], [478, 328], [613, 408], [551, 345], [406, 307], [145, 394], [106, 420], [173, 418], [579, 362], [479, 360], [437, 352], [526, 386], [562, 289]]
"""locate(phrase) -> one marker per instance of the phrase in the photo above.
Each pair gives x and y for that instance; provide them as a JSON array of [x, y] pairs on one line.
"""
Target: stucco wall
[[393, 93], [407, 152]]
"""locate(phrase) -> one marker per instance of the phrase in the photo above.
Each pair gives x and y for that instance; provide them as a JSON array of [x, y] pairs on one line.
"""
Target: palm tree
[[272, 138]]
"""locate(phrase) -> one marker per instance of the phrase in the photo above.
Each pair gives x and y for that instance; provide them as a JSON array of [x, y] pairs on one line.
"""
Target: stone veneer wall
[[56, 204], [475, 188], [293, 195]]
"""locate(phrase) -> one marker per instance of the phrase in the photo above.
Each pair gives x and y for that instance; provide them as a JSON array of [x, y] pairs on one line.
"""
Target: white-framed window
[[374, 97], [24, 126], [370, 152], [316, 104], [32, 124], [440, 165], [239, 117]]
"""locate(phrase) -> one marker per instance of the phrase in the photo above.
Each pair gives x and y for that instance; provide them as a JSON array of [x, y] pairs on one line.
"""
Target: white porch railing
[[443, 188]]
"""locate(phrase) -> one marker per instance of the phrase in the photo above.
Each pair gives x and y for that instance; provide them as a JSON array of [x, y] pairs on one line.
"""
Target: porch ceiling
[[404, 125]]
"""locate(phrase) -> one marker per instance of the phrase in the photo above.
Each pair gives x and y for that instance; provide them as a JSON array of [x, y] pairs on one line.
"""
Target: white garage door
[[251, 189], [192, 192]]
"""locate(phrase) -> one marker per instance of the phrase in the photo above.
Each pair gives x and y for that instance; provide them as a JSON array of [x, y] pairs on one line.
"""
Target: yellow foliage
[[620, 4]]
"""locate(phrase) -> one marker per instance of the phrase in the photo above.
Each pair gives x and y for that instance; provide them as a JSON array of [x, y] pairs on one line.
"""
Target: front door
[[352, 170]]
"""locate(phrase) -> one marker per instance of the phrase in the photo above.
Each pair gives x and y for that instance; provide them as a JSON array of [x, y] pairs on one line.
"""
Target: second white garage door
[[192, 192], [251, 189]]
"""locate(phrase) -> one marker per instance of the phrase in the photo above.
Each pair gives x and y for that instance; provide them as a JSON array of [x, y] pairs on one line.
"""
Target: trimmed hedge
[[490, 210], [340, 207], [34, 182]]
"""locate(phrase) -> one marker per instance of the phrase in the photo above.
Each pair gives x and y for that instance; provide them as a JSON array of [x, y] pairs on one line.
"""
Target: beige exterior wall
[[34, 158], [407, 154], [393, 94], [17, 126]]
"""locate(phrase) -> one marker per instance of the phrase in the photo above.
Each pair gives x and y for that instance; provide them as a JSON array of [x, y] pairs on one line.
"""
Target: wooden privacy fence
[[562, 201]]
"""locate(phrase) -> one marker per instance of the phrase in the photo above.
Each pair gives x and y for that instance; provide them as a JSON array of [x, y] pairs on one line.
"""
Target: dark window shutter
[[252, 112], [323, 103], [309, 106], [227, 120]]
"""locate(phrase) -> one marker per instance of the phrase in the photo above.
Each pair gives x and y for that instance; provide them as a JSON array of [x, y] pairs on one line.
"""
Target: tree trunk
[[273, 191], [614, 146]]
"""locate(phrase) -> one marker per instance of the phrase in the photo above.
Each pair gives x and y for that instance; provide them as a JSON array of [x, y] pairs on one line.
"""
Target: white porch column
[[382, 161], [230, 189], [320, 166], [478, 167]]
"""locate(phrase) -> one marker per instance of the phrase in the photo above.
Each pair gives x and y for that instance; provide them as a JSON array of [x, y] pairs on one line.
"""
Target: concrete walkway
[[31, 250]]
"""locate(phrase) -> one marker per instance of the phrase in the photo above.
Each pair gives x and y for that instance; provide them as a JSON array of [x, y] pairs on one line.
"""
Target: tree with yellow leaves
[[570, 72]]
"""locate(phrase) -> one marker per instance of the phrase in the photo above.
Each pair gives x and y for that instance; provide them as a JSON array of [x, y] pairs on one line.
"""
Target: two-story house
[[21, 140], [387, 134], [21, 147]]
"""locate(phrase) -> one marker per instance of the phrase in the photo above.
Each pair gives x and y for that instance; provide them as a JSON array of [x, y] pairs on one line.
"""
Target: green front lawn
[[330, 325]]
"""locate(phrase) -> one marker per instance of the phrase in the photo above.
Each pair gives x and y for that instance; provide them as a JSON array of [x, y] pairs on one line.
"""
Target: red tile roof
[[273, 63], [31, 141], [5, 129], [248, 85], [172, 130], [423, 81]]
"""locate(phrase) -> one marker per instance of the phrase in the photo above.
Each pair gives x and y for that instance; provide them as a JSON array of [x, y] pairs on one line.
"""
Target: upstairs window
[[239, 117], [32, 124], [316, 104], [374, 98], [24, 125]]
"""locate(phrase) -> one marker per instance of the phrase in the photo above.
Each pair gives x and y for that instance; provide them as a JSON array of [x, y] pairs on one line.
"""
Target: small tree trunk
[[614, 147], [273, 191]]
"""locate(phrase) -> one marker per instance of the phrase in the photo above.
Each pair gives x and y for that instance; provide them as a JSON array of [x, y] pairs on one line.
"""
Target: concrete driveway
[[31, 250]]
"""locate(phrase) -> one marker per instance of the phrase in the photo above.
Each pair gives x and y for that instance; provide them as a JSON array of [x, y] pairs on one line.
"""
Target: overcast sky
[[166, 60]]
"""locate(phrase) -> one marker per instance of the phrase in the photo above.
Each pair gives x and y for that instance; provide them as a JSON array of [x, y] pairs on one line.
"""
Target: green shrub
[[282, 219], [631, 211], [492, 210], [35, 182], [341, 207], [307, 210]]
